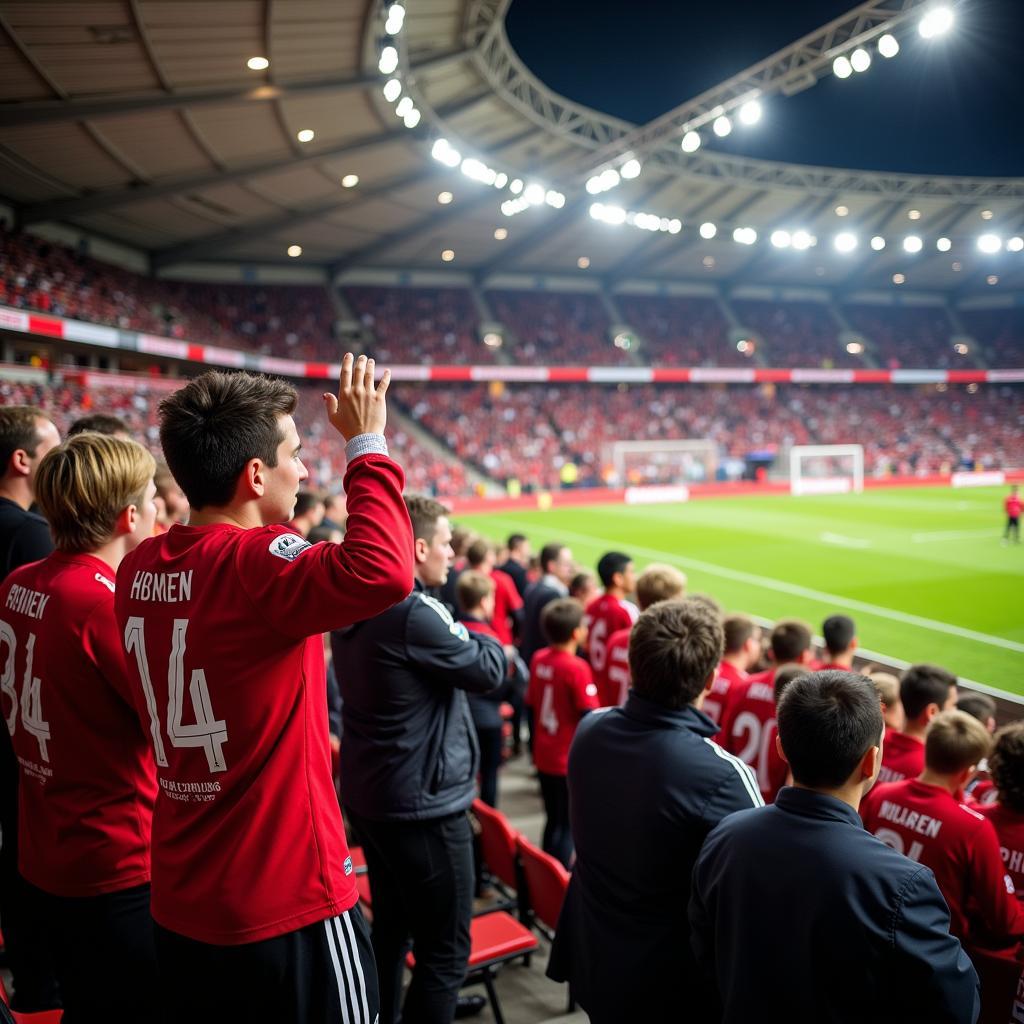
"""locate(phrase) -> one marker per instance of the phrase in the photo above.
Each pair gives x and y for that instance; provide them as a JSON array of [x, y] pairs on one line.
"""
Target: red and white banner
[[212, 355]]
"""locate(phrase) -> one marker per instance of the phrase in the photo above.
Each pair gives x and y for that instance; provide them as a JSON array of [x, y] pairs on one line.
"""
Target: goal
[[826, 468], [657, 463]]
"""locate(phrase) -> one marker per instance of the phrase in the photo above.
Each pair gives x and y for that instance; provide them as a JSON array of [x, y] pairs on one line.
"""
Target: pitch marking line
[[845, 542], [798, 591], [936, 536]]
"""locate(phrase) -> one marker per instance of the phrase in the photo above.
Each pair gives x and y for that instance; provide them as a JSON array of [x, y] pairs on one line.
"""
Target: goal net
[[826, 468], [661, 463]]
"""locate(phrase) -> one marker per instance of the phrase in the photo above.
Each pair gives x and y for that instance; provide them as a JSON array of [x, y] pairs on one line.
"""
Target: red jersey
[[617, 668], [1013, 506], [87, 780], [902, 757], [927, 824], [223, 631], [606, 615], [751, 735], [561, 692], [721, 694], [506, 601], [1009, 826]]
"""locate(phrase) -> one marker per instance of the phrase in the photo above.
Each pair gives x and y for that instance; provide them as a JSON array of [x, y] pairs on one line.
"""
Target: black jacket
[[537, 598], [518, 574], [802, 916], [24, 537], [646, 785], [409, 750]]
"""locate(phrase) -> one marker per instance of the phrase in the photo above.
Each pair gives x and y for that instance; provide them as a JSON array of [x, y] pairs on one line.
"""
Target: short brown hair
[[471, 588], [955, 741], [478, 550], [215, 424], [424, 513], [85, 483], [659, 582], [99, 423], [1006, 763], [18, 432], [887, 686], [789, 639], [560, 619], [673, 648], [738, 630]]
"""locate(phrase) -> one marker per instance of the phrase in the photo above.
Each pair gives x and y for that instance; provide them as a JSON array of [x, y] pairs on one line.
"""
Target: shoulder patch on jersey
[[458, 629], [455, 628], [288, 546], [100, 578], [591, 690]]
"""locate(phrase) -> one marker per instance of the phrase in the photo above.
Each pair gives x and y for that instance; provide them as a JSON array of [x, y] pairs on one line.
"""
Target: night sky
[[949, 106]]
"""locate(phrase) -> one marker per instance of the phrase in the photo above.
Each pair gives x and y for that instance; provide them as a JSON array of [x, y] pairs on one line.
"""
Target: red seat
[[498, 847], [494, 939], [1000, 978], [546, 883]]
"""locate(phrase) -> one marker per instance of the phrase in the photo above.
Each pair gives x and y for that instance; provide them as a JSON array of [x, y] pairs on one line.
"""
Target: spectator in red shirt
[[1013, 507], [508, 605], [561, 692], [925, 690], [609, 613], [656, 583], [87, 782], [840, 635], [742, 652], [1006, 763], [924, 819]]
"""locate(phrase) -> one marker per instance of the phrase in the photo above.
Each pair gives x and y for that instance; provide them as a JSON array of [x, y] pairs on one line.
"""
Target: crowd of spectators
[[421, 325], [427, 470], [1000, 333], [527, 433], [908, 336], [795, 333], [681, 331]]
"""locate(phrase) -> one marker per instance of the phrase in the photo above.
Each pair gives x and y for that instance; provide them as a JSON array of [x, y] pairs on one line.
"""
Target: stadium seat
[[1000, 985], [495, 939], [498, 847], [546, 881]]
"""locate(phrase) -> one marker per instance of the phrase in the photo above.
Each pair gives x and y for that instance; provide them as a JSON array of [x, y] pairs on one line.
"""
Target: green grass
[[889, 558]]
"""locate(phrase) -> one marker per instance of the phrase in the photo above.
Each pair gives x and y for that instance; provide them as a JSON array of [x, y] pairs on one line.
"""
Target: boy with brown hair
[[561, 692]]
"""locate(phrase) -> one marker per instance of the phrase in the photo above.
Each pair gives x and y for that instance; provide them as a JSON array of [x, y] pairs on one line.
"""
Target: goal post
[[826, 468], [662, 462]]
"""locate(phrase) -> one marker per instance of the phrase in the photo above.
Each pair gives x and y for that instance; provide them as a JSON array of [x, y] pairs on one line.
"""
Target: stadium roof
[[141, 122]]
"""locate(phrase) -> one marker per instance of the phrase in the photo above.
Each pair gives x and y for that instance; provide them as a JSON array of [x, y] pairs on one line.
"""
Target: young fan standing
[[87, 783], [608, 614], [253, 891]]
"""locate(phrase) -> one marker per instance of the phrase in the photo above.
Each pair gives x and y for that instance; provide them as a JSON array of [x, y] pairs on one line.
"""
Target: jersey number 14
[[208, 733]]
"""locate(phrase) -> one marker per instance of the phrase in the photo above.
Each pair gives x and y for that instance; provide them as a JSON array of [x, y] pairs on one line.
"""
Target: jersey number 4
[[208, 732], [31, 706]]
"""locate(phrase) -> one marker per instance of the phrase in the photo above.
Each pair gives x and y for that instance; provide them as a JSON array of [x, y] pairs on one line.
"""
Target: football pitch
[[921, 570]]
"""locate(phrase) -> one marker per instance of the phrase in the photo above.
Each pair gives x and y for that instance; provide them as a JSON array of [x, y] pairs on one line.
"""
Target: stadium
[[758, 351]]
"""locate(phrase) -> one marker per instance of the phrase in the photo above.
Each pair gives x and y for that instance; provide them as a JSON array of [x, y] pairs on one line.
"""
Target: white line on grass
[[845, 542], [798, 591], [936, 536]]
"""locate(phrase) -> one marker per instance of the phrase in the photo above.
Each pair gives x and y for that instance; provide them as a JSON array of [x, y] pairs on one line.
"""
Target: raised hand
[[359, 406]]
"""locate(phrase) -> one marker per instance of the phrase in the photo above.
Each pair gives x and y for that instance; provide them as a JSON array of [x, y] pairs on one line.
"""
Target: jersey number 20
[[208, 732]]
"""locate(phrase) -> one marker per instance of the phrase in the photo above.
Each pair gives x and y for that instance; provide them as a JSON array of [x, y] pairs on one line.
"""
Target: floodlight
[[388, 60], [257, 63], [878, 243], [392, 89], [412, 118], [841, 67], [990, 243], [722, 126], [781, 239], [708, 230], [860, 59], [912, 244], [631, 169], [845, 242], [405, 104], [690, 142], [888, 45], [1015, 244], [802, 240], [943, 244], [937, 22], [750, 112]]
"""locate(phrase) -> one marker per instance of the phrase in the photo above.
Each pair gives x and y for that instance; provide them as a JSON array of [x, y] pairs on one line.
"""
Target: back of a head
[[1006, 764], [922, 685], [515, 542], [786, 675], [462, 537], [978, 705], [305, 502], [609, 564], [673, 647], [838, 631], [470, 590], [215, 424], [18, 430], [478, 552], [827, 722], [424, 513], [659, 582], [738, 629], [955, 741], [85, 483], [99, 423], [887, 686], [560, 619], [790, 639]]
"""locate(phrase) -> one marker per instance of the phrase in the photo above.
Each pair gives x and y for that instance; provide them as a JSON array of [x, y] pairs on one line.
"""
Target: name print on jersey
[[27, 602], [162, 586]]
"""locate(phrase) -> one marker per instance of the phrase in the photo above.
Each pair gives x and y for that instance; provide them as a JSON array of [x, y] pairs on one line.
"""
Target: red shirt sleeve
[[305, 589], [104, 646], [584, 692], [993, 891]]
